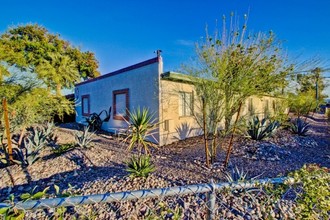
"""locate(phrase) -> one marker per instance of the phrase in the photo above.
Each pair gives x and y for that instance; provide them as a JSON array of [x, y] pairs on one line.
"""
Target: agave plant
[[236, 175], [140, 126], [140, 166], [260, 129], [4, 157], [84, 138], [299, 127], [49, 132], [38, 138]]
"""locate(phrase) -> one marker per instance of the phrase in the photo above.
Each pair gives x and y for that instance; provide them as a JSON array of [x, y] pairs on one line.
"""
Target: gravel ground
[[101, 169]]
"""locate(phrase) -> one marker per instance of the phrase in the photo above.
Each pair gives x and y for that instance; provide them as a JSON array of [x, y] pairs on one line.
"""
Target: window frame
[[184, 105], [88, 105], [114, 94]]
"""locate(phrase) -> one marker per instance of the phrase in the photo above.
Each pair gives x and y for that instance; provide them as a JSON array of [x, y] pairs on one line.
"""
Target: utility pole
[[316, 73]]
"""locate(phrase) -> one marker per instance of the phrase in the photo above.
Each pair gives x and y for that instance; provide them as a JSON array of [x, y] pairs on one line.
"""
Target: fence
[[259, 199]]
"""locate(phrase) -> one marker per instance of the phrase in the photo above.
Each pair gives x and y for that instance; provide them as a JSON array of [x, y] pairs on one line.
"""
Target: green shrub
[[140, 166], [260, 129], [299, 127], [312, 184], [63, 148], [11, 212], [84, 138]]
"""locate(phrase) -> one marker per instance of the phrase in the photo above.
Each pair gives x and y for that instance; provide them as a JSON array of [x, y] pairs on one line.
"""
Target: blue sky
[[122, 33]]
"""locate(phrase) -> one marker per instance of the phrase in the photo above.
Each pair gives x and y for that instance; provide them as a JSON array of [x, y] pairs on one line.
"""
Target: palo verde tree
[[242, 65]]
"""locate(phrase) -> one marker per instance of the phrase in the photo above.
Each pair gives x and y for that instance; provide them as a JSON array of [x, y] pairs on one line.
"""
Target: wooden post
[[5, 112]]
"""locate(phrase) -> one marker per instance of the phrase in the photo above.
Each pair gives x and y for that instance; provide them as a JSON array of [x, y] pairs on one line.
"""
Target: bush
[[63, 148], [299, 127], [312, 185], [140, 166], [260, 129]]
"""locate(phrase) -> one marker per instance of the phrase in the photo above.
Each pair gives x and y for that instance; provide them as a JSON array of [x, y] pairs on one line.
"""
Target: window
[[120, 104], [85, 104], [185, 103]]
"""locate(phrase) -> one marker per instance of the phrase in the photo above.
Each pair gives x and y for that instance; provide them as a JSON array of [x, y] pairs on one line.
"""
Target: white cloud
[[187, 43]]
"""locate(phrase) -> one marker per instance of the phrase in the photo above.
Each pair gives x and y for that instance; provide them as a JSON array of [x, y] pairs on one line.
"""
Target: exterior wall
[[142, 81], [179, 128], [173, 126]]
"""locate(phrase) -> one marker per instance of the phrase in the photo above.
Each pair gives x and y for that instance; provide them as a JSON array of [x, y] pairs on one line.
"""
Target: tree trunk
[[58, 89], [21, 136], [214, 149], [230, 145], [5, 110], [205, 135]]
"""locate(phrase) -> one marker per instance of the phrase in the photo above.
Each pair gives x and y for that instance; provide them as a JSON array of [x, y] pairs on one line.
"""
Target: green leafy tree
[[242, 66], [56, 62], [34, 67]]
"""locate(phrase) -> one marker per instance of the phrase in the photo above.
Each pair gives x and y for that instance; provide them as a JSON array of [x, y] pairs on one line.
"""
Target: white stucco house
[[168, 95]]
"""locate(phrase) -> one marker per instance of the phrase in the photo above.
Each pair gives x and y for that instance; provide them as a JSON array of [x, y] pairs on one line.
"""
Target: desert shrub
[[164, 211], [140, 166], [11, 212], [299, 127], [63, 148], [312, 184], [260, 129], [84, 138], [302, 103]]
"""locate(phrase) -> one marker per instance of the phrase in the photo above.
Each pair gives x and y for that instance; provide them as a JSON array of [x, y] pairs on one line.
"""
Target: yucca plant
[[260, 129], [140, 126], [84, 138], [299, 127], [140, 166]]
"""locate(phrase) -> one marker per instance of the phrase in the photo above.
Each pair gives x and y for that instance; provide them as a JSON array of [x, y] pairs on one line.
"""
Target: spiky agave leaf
[[299, 127], [140, 125], [260, 129]]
